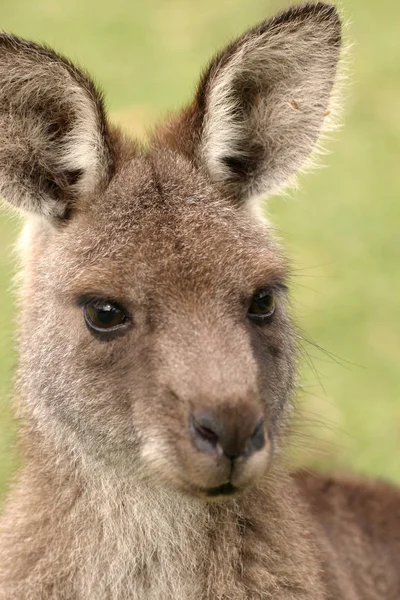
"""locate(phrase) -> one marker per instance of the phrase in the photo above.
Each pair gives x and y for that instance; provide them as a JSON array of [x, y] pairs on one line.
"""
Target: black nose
[[237, 435]]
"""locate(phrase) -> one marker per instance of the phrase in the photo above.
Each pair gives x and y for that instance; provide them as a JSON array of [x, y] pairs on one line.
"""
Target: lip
[[210, 482], [226, 489]]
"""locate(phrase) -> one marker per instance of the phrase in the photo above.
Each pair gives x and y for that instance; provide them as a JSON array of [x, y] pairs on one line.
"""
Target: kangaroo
[[157, 357]]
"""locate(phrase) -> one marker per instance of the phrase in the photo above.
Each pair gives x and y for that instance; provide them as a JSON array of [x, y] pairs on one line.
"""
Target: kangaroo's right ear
[[54, 139]]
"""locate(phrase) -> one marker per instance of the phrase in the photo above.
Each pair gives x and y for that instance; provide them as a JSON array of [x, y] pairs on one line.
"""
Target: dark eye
[[102, 316], [262, 306]]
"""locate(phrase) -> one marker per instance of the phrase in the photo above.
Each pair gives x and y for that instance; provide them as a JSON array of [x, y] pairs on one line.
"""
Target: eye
[[262, 306], [102, 316]]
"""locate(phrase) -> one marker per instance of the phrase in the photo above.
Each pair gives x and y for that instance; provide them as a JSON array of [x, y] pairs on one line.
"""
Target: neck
[[126, 539]]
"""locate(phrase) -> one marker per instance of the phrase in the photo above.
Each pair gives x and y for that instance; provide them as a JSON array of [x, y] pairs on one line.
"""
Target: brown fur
[[121, 496]]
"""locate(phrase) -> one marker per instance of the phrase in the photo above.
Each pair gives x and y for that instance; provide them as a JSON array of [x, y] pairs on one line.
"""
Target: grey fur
[[113, 501]]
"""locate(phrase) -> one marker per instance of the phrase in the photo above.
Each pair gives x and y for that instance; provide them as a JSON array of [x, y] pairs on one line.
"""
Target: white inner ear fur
[[293, 67], [25, 133], [84, 147]]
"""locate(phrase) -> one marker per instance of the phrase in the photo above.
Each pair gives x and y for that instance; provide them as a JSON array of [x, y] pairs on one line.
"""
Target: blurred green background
[[342, 229]]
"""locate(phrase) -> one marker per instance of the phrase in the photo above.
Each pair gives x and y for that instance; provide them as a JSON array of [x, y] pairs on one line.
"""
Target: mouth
[[226, 489]]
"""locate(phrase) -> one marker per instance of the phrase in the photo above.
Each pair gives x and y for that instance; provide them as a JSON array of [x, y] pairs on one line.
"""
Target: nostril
[[204, 432], [233, 438], [257, 440]]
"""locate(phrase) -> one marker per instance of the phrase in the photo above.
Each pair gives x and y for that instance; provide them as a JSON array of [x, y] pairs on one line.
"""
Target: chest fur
[[176, 550]]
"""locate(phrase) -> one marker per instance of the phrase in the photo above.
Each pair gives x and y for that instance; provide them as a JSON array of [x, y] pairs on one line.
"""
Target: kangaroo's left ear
[[261, 104]]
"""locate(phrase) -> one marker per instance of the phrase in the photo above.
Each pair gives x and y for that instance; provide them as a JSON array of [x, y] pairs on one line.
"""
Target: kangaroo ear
[[261, 104], [54, 139]]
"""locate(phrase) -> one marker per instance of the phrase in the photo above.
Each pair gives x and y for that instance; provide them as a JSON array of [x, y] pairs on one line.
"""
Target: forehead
[[161, 222]]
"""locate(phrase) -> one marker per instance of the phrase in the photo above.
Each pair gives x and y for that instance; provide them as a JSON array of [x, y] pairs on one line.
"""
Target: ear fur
[[261, 104], [54, 138]]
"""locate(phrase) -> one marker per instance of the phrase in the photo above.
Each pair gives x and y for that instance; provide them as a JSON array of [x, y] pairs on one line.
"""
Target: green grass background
[[342, 229]]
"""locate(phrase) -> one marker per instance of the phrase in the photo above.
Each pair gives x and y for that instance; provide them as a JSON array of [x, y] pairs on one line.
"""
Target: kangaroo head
[[155, 336]]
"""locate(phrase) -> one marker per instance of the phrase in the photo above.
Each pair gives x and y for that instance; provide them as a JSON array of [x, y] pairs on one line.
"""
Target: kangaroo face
[[155, 335], [166, 349]]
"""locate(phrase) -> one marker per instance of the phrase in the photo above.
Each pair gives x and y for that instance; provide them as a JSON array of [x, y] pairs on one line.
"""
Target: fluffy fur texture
[[54, 134], [116, 501], [268, 98]]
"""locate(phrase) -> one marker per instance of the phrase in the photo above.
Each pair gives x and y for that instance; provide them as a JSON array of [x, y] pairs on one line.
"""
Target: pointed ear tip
[[328, 16], [322, 11], [329, 13], [322, 14]]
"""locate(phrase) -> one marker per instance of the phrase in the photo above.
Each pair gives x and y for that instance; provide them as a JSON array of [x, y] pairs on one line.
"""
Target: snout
[[232, 438], [229, 449]]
